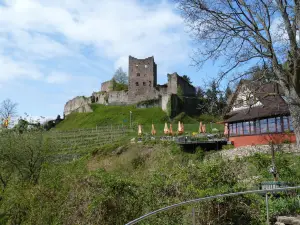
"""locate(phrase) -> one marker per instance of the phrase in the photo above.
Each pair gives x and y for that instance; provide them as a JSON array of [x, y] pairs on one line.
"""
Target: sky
[[54, 50]]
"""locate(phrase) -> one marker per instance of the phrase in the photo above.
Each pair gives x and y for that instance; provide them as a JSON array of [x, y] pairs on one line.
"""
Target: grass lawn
[[120, 116]]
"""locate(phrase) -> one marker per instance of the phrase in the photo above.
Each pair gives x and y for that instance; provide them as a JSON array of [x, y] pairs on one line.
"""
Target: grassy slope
[[119, 115], [113, 115]]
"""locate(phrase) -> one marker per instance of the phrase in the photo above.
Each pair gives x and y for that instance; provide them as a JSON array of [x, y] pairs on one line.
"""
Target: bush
[[227, 147], [206, 118], [200, 154], [182, 117]]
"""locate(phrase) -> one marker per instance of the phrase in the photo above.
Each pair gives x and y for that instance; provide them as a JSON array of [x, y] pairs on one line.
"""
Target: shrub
[[227, 147], [200, 154], [206, 118]]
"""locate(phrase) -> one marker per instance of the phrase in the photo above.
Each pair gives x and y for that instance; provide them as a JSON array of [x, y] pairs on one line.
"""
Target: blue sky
[[53, 51]]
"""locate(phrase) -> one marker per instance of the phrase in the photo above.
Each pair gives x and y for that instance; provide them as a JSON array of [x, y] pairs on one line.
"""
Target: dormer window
[[138, 74]]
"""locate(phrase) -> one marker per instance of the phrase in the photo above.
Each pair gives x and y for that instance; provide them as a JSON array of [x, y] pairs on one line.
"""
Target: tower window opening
[[136, 83], [138, 74], [149, 83], [144, 83]]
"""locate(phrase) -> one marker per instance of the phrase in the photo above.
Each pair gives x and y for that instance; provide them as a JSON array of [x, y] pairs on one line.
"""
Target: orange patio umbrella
[[179, 128], [200, 127], [166, 129], [140, 130], [171, 129], [204, 128], [226, 129], [153, 131]]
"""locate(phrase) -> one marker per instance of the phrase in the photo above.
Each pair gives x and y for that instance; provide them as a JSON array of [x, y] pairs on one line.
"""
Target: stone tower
[[142, 79]]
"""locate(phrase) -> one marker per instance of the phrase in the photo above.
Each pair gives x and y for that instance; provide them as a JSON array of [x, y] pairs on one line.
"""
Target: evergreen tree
[[228, 93], [187, 78], [212, 98]]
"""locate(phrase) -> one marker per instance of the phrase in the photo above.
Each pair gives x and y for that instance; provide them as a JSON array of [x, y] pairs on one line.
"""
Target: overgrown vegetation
[[123, 181]]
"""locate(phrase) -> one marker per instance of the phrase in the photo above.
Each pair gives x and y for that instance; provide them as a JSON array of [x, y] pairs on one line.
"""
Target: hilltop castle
[[143, 90]]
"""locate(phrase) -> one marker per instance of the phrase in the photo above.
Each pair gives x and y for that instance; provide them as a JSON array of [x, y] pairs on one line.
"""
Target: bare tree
[[120, 76], [247, 32], [8, 109]]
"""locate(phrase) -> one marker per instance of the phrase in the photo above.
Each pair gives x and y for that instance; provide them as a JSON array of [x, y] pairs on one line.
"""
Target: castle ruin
[[143, 90]]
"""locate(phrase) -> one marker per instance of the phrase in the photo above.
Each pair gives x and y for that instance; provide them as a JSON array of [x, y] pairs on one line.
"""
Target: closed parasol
[[166, 129], [140, 130]]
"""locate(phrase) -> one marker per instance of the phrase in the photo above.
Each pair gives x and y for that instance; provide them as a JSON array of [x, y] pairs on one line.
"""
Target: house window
[[144, 83], [285, 123], [138, 74], [239, 128], [252, 127], [257, 126], [232, 129], [136, 83], [264, 126], [278, 124], [246, 128], [272, 125], [291, 124]]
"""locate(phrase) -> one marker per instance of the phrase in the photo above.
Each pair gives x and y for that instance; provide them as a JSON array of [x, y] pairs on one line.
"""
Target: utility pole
[[273, 169], [130, 119]]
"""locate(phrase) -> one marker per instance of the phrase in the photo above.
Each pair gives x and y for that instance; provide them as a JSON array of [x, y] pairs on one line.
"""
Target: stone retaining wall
[[251, 150]]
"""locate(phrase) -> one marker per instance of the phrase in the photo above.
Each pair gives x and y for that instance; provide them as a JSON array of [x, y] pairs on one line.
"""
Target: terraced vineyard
[[87, 138]]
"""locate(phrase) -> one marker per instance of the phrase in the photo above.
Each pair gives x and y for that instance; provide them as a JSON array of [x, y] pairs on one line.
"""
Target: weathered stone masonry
[[142, 86]]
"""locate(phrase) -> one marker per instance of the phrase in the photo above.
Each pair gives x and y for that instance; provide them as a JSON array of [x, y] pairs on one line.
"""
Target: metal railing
[[215, 197]]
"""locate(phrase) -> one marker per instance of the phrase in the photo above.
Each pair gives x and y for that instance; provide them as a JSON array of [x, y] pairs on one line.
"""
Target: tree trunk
[[294, 107], [295, 114]]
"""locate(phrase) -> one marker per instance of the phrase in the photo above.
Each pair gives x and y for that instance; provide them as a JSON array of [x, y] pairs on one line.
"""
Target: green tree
[[212, 98], [187, 78], [228, 93]]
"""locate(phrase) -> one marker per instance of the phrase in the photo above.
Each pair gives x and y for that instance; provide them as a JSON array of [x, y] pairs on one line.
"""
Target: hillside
[[120, 115], [119, 182], [113, 115]]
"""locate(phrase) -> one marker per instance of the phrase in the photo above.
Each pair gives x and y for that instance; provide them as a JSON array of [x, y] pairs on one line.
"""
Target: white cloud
[[11, 70], [58, 78], [115, 29]]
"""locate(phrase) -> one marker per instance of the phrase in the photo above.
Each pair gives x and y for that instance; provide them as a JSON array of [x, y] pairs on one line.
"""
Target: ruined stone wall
[[164, 102], [111, 98], [172, 83], [175, 81], [107, 86], [78, 104], [188, 89], [142, 79]]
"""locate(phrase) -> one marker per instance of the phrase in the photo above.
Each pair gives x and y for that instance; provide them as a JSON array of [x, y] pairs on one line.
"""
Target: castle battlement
[[142, 86]]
